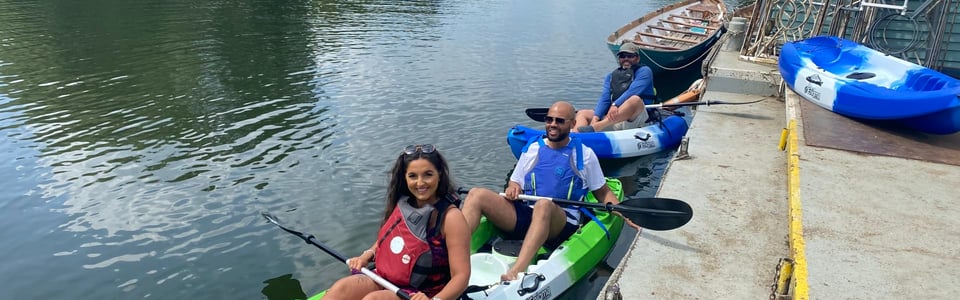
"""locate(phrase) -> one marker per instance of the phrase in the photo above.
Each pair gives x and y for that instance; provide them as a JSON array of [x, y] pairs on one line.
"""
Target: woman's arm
[[458, 250]]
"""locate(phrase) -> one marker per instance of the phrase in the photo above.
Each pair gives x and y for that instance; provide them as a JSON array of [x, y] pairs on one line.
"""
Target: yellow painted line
[[800, 288]]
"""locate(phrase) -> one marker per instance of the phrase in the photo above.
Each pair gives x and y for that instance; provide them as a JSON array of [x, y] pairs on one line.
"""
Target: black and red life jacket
[[404, 256]]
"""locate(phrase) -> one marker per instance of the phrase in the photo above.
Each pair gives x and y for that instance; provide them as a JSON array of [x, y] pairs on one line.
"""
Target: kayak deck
[[552, 272]]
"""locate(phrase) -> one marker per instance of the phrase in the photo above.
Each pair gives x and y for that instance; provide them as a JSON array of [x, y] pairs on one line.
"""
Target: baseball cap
[[629, 48]]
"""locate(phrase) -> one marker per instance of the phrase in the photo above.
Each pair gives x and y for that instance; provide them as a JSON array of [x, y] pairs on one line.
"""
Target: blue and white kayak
[[856, 81], [649, 139]]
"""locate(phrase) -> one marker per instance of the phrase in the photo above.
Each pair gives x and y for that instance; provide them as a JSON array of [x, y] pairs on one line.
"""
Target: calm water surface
[[140, 140]]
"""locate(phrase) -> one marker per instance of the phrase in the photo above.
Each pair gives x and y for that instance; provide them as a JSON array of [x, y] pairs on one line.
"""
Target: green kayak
[[553, 272]]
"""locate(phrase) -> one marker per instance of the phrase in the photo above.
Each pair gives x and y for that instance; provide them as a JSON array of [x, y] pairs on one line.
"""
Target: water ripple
[[142, 139]]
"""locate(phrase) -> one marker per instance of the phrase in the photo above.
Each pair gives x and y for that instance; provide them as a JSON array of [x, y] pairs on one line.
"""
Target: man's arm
[[642, 80], [609, 197], [524, 163], [603, 104], [595, 177], [606, 194]]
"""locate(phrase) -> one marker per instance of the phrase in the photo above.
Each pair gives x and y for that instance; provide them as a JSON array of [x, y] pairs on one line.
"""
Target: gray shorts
[[639, 120]]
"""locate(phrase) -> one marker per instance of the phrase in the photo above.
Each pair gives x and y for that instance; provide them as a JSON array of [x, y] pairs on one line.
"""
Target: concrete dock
[[851, 225]]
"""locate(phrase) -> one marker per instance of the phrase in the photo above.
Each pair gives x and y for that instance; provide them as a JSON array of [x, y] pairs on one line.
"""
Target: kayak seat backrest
[[929, 83], [919, 82], [938, 85], [831, 57]]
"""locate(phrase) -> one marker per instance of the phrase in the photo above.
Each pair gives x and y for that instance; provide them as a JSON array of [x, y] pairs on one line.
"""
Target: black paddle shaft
[[650, 213], [539, 114], [313, 241]]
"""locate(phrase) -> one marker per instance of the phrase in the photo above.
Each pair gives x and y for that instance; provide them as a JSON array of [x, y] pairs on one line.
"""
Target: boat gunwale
[[618, 37]]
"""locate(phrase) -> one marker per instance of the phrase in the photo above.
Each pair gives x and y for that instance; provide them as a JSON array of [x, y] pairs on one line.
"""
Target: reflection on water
[[141, 139], [283, 288]]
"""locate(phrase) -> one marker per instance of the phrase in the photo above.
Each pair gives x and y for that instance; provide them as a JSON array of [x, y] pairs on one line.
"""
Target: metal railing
[[916, 32]]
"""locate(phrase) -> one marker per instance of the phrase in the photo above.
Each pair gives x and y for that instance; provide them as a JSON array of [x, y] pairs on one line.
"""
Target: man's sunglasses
[[425, 149], [626, 55], [549, 119]]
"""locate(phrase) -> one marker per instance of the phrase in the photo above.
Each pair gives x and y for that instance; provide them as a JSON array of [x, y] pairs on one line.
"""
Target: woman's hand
[[419, 296], [358, 262]]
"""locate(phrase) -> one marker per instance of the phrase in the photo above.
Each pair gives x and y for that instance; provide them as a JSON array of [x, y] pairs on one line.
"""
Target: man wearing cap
[[621, 104]]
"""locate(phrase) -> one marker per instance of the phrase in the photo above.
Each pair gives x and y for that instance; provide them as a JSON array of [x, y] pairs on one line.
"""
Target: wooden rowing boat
[[674, 36]]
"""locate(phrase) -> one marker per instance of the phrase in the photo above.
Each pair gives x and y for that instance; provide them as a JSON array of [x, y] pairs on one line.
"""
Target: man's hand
[[512, 191], [627, 221], [614, 112]]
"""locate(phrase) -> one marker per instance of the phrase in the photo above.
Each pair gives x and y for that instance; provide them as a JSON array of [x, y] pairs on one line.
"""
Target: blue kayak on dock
[[652, 138], [856, 81]]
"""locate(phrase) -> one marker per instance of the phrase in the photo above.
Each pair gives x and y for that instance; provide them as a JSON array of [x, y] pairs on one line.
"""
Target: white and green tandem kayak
[[553, 272]]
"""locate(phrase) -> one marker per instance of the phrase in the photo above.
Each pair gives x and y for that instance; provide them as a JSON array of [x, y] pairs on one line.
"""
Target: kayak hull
[[652, 138]]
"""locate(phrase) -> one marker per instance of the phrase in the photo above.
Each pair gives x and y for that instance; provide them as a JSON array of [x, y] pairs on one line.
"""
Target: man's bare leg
[[484, 202], [547, 221], [628, 111], [584, 117]]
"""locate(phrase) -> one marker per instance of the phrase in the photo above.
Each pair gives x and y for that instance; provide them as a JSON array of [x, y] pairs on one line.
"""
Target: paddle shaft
[[313, 241], [607, 207], [538, 114], [650, 213]]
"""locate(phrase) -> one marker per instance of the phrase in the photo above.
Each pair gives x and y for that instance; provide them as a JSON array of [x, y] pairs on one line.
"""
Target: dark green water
[[140, 140]]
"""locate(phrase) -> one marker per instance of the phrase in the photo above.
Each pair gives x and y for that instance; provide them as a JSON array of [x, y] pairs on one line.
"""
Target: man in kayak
[[621, 104], [557, 167]]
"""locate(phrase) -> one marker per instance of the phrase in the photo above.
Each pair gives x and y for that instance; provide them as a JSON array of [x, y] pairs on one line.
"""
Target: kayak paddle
[[650, 213], [313, 241], [538, 114]]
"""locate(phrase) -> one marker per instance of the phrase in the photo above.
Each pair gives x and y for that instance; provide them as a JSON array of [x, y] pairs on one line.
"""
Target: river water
[[140, 140]]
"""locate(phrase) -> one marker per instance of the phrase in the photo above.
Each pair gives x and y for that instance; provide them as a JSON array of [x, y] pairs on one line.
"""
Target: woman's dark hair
[[397, 186]]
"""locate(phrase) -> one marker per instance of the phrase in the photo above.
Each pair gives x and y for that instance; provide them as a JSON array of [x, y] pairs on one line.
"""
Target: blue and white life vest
[[557, 173]]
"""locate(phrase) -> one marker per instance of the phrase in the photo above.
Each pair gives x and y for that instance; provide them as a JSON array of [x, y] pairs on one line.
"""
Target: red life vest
[[403, 253]]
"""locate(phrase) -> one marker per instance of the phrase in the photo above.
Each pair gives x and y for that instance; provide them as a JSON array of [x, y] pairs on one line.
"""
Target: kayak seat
[[508, 247]]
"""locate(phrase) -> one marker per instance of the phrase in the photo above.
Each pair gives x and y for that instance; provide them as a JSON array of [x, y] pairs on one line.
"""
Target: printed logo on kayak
[[646, 144], [812, 92], [543, 294], [811, 85], [644, 141]]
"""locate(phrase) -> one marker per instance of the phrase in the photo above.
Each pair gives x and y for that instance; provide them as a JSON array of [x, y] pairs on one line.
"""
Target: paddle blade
[[656, 213], [537, 114], [270, 218]]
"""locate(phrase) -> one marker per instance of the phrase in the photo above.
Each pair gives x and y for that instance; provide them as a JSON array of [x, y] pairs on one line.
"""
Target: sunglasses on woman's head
[[425, 149], [549, 119]]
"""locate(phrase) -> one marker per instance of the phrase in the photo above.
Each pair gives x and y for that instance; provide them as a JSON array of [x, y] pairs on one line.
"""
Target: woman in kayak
[[424, 244]]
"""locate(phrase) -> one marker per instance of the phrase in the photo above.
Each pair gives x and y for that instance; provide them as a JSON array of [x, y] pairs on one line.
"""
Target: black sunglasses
[[549, 119], [425, 149], [626, 55]]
